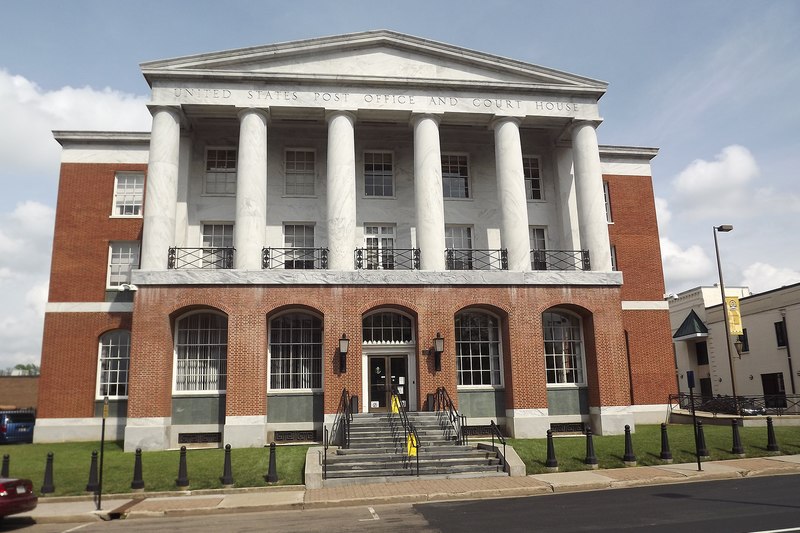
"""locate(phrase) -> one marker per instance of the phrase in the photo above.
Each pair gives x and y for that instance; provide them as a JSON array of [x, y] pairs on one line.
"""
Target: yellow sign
[[734, 315], [395, 404], [412, 445]]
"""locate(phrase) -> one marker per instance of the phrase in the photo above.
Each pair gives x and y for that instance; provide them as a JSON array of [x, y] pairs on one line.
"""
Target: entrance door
[[385, 373], [774, 391]]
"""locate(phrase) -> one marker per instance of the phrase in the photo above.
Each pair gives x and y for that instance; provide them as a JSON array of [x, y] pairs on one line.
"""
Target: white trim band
[[657, 305], [89, 307]]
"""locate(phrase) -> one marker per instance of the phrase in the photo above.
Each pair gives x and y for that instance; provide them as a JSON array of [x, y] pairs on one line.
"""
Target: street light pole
[[724, 228]]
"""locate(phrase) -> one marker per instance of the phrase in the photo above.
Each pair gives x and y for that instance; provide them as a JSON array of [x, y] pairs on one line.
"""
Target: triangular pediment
[[691, 328], [382, 57]]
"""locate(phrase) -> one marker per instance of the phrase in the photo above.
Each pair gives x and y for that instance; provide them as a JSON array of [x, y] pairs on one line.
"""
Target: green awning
[[691, 328]]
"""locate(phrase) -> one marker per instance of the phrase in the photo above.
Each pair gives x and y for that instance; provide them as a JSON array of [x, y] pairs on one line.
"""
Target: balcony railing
[[206, 258], [394, 259], [560, 260], [476, 259], [295, 258], [750, 405]]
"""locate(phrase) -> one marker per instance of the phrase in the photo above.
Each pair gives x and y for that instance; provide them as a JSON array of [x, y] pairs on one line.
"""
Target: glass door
[[387, 373]]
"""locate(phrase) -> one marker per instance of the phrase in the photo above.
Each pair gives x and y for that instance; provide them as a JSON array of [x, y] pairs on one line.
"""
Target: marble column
[[161, 198], [341, 190], [428, 199], [251, 189], [511, 193], [589, 192]]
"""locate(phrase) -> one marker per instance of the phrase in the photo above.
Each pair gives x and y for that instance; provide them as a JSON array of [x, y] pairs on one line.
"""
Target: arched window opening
[[563, 348], [478, 349], [201, 353], [295, 351], [387, 328]]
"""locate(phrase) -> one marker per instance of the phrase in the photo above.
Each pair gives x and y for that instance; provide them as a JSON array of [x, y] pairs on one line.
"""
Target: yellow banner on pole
[[734, 315]]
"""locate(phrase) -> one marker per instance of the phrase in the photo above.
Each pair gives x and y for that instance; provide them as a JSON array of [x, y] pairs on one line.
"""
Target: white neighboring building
[[771, 336]]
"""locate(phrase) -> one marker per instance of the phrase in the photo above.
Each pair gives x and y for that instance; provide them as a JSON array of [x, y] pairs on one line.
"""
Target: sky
[[712, 84]]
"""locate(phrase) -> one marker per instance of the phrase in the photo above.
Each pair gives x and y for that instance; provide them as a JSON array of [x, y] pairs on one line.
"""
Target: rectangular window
[[745, 341], [531, 169], [701, 351], [614, 258], [455, 176], [128, 195], [217, 243], [300, 237], [122, 258], [780, 334], [115, 348], [379, 244], [300, 172], [607, 198], [538, 241], [458, 242], [378, 176], [220, 171]]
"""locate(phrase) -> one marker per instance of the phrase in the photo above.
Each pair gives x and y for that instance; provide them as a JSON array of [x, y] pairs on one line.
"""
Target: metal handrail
[[202, 258], [387, 259], [560, 260], [748, 405], [410, 435], [495, 431], [294, 258], [455, 420], [340, 429], [458, 259]]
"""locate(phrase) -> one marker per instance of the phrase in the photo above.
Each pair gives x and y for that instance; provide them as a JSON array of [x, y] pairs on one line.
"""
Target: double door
[[387, 373]]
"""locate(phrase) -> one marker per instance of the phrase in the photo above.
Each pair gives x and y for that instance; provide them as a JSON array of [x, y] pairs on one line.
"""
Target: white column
[[428, 200], [511, 193], [589, 189], [251, 190], [161, 199], [341, 193]]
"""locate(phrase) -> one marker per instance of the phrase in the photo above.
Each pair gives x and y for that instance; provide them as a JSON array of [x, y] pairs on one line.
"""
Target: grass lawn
[[250, 465]]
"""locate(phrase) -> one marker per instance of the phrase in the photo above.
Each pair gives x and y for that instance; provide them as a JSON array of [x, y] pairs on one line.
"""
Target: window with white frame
[[478, 349], [299, 237], [538, 241], [455, 176], [387, 327], [563, 348], [379, 244], [378, 174], [220, 171], [300, 170], [607, 198], [531, 169], [201, 353], [128, 194], [122, 258], [295, 352], [217, 243], [458, 242], [113, 363]]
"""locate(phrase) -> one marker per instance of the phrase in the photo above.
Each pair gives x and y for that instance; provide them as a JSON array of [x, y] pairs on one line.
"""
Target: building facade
[[374, 187], [761, 366]]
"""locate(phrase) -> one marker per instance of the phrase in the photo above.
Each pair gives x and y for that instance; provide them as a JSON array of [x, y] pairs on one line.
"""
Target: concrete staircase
[[375, 454]]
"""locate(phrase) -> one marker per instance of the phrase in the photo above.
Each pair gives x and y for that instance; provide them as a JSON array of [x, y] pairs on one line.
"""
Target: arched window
[[478, 350], [114, 360], [387, 327], [563, 348], [201, 353], [295, 352]]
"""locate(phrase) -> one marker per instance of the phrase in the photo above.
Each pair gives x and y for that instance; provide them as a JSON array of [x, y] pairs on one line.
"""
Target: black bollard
[[629, 458], [47, 485], [92, 485], [737, 448], [591, 458], [6, 463], [666, 455], [272, 474], [183, 476], [772, 442], [702, 450], [137, 485], [227, 471], [552, 463]]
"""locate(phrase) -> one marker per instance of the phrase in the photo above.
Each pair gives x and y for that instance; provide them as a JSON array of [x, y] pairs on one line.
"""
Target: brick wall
[[83, 230], [652, 360], [19, 392]]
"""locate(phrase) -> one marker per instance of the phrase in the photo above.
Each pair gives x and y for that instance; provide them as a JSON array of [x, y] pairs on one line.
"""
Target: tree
[[30, 369]]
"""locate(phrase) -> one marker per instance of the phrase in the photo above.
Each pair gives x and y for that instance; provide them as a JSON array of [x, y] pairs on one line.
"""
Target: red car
[[16, 496]]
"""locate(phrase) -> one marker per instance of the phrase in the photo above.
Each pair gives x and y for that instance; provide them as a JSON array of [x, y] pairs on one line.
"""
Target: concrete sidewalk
[[415, 490]]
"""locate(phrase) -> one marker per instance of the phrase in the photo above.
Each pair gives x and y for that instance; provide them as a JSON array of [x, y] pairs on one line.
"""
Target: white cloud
[[30, 159], [762, 277], [663, 213], [684, 267]]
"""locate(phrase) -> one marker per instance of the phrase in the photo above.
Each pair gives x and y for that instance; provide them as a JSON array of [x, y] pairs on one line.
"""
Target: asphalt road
[[759, 504]]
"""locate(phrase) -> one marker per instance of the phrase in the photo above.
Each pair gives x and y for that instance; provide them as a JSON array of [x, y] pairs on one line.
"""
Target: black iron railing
[[495, 431], [560, 260], [404, 433], [750, 405], [394, 259], [295, 258], [208, 258], [451, 421], [340, 430], [476, 259]]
